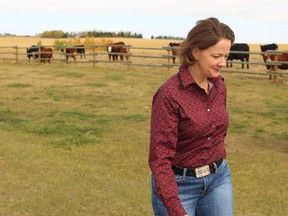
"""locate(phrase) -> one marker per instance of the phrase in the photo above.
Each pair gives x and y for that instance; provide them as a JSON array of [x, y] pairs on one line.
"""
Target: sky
[[253, 21]]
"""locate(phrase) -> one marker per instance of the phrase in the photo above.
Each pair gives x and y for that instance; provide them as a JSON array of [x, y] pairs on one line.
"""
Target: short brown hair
[[205, 34]]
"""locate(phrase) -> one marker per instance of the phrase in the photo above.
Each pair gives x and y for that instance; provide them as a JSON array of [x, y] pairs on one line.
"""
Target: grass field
[[75, 140]]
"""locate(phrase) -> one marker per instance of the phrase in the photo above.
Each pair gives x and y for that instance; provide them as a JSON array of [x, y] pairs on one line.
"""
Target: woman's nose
[[222, 62]]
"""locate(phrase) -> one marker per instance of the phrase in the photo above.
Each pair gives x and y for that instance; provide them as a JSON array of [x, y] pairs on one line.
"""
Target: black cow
[[174, 50], [242, 47], [32, 52], [80, 50], [266, 47]]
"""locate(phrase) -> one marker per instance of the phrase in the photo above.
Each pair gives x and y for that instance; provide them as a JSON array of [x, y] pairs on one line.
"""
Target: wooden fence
[[138, 56]]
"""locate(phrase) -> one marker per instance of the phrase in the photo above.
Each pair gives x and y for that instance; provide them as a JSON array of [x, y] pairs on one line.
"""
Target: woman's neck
[[201, 80]]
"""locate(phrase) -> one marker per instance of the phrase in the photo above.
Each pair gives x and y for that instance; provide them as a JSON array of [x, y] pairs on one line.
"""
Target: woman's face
[[210, 61]]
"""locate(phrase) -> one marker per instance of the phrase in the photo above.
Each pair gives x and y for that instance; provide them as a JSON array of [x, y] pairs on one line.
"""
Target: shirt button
[[209, 138], [213, 126], [208, 110]]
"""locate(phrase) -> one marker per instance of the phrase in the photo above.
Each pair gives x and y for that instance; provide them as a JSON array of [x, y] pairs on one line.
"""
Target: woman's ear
[[195, 52]]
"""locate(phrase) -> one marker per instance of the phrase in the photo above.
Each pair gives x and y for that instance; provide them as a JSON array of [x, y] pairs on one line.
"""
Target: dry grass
[[28, 41]]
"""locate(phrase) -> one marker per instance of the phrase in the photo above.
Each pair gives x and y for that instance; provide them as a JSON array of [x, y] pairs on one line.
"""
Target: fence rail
[[163, 57]]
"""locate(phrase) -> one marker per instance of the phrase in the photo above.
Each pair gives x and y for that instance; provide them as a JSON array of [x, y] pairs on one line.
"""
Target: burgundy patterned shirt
[[188, 127]]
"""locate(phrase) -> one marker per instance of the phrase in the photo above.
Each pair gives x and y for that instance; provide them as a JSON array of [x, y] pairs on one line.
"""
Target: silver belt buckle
[[202, 171]]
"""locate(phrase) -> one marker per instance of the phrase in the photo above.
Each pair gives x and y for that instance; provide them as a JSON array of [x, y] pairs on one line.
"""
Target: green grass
[[19, 85], [75, 140]]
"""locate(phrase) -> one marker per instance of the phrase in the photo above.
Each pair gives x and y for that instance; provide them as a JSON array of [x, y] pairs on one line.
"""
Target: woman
[[189, 122]]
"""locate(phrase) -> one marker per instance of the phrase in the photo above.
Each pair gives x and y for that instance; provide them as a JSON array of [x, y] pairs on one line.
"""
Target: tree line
[[85, 34], [62, 34], [167, 37]]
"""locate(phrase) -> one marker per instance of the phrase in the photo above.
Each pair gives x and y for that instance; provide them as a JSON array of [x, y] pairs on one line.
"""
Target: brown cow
[[266, 47], [115, 48], [281, 58], [70, 52], [174, 50], [46, 54]]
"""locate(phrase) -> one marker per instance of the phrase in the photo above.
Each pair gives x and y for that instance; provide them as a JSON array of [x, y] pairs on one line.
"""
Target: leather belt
[[195, 171]]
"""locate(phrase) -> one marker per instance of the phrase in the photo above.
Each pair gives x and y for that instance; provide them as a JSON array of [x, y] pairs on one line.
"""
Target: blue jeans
[[211, 195]]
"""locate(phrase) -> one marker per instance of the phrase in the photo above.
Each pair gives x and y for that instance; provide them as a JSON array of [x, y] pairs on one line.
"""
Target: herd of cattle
[[267, 56], [238, 51], [241, 51], [45, 54]]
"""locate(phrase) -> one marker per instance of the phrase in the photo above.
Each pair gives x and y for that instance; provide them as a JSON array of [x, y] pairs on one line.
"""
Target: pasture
[[75, 139]]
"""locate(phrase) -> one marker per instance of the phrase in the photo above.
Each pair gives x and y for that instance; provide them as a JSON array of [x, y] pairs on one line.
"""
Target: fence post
[[275, 69], [16, 53], [94, 57], [128, 57], [169, 59]]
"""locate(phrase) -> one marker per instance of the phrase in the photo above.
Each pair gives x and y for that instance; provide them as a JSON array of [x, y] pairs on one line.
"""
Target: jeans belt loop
[[215, 167], [184, 174]]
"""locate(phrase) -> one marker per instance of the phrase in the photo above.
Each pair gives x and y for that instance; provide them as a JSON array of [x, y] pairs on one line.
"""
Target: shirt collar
[[187, 78]]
